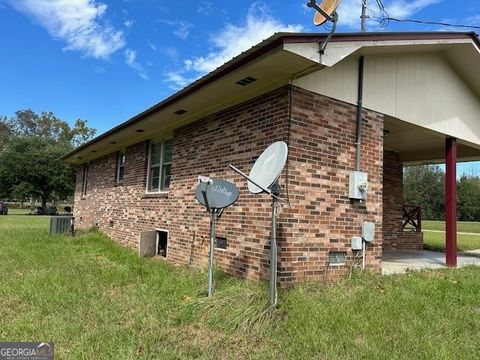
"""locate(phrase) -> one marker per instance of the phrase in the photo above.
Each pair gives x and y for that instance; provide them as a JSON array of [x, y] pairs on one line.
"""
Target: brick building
[[420, 96]]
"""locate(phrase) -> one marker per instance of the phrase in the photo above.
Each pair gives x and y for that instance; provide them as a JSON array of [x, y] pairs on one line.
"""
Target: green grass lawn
[[97, 300], [462, 226], [436, 241], [12, 211]]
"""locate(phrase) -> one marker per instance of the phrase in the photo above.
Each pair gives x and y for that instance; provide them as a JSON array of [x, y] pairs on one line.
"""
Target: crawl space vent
[[337, 258]]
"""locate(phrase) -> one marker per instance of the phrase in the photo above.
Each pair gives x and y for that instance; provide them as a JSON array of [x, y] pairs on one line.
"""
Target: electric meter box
[[357, 243], [358, 185], [368, 231]]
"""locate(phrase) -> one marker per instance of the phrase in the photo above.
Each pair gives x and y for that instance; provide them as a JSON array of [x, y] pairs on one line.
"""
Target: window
[[160, 166], [85, 179], [120, 166]]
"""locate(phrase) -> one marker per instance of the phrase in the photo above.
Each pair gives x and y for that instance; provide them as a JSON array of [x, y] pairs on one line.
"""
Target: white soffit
[[272, 71], [336, 51]]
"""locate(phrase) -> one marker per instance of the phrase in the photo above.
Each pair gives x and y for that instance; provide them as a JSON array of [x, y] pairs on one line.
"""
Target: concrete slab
[[396, 262], [471, 253]]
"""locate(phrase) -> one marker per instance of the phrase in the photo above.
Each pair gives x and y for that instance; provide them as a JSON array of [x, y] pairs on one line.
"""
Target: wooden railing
[[412, 218]]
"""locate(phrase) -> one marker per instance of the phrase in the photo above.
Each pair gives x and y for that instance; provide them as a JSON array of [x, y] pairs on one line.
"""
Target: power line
[[424, 22], [385, 18]]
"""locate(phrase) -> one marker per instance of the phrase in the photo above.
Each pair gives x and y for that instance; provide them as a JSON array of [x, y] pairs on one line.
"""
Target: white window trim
[[118, 165], [150, 145]]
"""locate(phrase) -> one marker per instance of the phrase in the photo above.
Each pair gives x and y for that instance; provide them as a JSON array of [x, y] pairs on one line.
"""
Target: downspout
[[358, 137]]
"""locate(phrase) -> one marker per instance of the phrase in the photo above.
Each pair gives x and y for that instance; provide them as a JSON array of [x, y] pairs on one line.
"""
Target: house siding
[[418, 88], [321, 135]]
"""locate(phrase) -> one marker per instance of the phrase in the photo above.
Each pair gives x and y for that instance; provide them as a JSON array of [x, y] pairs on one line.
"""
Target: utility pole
[[364, 15]]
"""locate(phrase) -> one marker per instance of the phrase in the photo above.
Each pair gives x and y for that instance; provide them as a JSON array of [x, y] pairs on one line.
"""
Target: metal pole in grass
[[213, 217], [272, 299]]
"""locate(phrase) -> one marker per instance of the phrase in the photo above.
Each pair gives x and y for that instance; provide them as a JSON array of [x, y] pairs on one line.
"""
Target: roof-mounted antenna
[[326, 11]]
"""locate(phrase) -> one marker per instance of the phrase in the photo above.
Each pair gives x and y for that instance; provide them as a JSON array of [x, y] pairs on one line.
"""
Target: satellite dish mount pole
[[264, 177], [334, 20], [276, 191], [213, 219], [332, 16], [215, 199]]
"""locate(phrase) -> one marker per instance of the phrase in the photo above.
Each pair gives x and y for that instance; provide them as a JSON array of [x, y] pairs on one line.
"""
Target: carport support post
[[451, 201]]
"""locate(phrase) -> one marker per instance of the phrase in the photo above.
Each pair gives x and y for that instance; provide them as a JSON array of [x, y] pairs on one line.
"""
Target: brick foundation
[[321, 138], [394, 238]]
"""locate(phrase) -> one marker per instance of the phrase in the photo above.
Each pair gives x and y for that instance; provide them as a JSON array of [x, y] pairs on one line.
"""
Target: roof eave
[[264, 47]]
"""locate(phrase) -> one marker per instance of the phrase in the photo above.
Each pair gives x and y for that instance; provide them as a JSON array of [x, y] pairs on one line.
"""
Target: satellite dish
[[220, 193], [215, 195], [268, 167], [328, 7], [323, 12]]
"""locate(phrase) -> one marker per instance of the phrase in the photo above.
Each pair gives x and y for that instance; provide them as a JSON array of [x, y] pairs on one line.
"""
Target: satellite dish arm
[[204, 193], [313, 4], [240, 172], [268, 191], [323, 46]]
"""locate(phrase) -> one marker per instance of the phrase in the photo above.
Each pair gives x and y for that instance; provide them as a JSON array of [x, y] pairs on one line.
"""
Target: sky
[[106, 61]]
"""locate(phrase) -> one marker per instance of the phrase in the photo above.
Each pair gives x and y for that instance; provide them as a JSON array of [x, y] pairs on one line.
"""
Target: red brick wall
[[321, 138], [393, 236], [322, 218]]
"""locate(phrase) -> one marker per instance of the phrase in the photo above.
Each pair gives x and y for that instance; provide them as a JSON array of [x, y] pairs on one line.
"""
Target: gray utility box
[[358, 185], [60, 225], [368, 231]]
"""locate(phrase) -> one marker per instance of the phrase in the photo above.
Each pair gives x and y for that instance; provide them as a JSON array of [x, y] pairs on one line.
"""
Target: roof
[[276, 41]]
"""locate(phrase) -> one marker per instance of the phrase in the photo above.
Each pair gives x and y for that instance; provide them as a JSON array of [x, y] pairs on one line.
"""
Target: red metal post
[[451, 201]]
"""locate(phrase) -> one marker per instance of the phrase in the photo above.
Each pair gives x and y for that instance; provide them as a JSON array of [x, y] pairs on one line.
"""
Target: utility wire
[[432, 23], [385, 18]]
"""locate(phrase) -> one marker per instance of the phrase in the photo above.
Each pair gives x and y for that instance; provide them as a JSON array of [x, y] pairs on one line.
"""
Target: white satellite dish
[[264, 178], [268, 167]]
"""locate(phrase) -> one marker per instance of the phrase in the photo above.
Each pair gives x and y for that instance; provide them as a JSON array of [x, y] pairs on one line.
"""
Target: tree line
[[31, 146], [425, 186]]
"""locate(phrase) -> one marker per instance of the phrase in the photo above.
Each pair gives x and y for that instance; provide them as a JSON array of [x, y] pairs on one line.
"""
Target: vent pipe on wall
[[358, 137]]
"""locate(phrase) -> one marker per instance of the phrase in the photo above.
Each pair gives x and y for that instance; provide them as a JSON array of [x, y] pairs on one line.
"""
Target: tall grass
[[98, 300]]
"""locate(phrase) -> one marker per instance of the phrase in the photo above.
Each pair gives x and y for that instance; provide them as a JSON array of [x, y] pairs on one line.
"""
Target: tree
[[6, 132], [46, 125], [30, 154], [424, 186], [31, 166], [468, 192]]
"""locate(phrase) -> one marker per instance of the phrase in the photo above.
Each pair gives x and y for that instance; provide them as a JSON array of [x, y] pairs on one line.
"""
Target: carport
[[428, 89], [414, 145]]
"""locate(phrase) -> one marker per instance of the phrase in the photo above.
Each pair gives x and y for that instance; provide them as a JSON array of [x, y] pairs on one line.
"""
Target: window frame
[[85, 174], [160, 165], [119, 166]]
